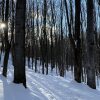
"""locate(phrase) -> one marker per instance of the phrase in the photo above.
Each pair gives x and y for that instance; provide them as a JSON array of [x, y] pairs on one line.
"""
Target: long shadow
[[13, 91]]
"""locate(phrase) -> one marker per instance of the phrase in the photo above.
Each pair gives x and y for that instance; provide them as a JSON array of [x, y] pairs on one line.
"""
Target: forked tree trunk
[[76, 41]]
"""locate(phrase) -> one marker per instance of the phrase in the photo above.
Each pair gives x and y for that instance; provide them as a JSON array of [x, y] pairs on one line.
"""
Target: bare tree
[[90, 45], [19, 49], [7, 44], [77, 51]]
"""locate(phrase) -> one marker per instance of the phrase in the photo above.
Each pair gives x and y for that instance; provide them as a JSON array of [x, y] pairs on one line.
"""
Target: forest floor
[[45, 87]]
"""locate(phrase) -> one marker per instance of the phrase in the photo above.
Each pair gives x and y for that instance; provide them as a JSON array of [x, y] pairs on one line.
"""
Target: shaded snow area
[[45, 87]]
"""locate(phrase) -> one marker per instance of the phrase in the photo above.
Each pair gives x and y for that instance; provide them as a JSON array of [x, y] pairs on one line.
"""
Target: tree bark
[[7, 44], [77, 50], [90, 45], [19, 52]]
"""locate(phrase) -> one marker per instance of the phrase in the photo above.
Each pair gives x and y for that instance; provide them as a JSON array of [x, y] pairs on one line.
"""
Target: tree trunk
[[7, 45], [77, 49], [19, 52], [90, 45]]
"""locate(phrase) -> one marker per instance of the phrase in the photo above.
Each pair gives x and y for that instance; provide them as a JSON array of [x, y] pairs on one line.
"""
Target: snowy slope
[[42, 87]]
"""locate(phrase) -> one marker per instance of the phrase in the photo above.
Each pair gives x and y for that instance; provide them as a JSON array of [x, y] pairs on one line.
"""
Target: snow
[[45, 87]]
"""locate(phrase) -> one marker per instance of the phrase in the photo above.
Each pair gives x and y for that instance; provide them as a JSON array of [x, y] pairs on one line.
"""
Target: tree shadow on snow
[[11, 91]]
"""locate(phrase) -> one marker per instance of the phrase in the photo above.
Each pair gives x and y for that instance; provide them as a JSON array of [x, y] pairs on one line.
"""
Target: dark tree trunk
[[77, 50], [7, 45], [33, 42], [28, 55], [3, 4], [19, 52], [90, 45], [45, 51], [12, 32]]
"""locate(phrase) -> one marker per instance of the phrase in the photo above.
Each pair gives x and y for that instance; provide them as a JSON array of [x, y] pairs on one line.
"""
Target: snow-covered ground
[[45, 87]]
